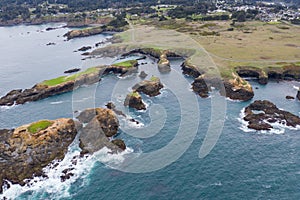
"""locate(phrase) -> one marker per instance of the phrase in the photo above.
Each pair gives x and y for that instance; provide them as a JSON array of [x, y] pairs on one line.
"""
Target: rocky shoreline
[[260, 115], [26, 150], [63, 84]]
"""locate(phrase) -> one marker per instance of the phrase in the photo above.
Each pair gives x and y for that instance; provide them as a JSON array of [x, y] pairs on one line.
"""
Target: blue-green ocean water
[[242, 165]]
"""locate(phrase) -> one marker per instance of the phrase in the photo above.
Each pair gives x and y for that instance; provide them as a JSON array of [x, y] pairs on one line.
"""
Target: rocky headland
[[26, 150], [64, 84], [90, 31], [260, 115]]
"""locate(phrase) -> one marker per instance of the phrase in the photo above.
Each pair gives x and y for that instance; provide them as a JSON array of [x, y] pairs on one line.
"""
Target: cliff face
[[27, 149], [235, 89], [101, 125]]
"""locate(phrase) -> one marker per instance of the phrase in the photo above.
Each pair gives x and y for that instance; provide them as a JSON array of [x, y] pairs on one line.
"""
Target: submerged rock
[[27, 149], [149, 87], [143, 75], [84, 48], [261, 114]]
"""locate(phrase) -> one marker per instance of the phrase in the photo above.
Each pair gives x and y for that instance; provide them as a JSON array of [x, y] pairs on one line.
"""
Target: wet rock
[[50, 43], [298, 95], [120, 143], [289, 97], [261, 114], [71, 70], [84, 48], [149, 87]]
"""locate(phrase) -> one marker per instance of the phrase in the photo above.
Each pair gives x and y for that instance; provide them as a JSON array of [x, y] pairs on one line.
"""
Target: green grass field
[[63, 79], [38, 126]]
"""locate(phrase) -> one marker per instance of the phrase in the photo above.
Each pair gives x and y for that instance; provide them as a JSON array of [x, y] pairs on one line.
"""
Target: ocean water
[[162, 159]]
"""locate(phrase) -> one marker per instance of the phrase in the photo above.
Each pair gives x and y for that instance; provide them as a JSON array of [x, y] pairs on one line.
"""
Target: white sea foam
[[296, 87], [278, 128], [80, 170], [56, 102], [7, 107]]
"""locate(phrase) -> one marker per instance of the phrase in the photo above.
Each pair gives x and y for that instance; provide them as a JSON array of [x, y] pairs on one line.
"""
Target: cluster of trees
[[196, 9], [13, 12]]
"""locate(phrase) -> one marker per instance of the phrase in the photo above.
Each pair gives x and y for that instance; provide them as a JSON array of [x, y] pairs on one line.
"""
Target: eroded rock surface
[[261, 114], [24, 152]]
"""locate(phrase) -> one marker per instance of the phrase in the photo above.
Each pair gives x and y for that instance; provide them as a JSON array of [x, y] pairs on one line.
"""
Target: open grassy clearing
[[38, 126], [62, 79]]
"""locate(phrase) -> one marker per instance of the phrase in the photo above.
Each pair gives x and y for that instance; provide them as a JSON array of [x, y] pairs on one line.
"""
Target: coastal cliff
[[26, 150]]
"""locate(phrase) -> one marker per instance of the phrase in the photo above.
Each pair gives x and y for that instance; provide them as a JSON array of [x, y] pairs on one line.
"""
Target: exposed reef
[[260, 115]]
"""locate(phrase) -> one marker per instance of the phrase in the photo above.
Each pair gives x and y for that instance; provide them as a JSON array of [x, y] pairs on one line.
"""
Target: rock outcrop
[[63, 84], [164, 63], [83, 32], [72, 70], [235, 89], [27, 149], [288, 71], [134, 100], [251, 72], [191, 70], [261, 114], [84, 48], [149, 87], [102, 124], [50, 88]]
